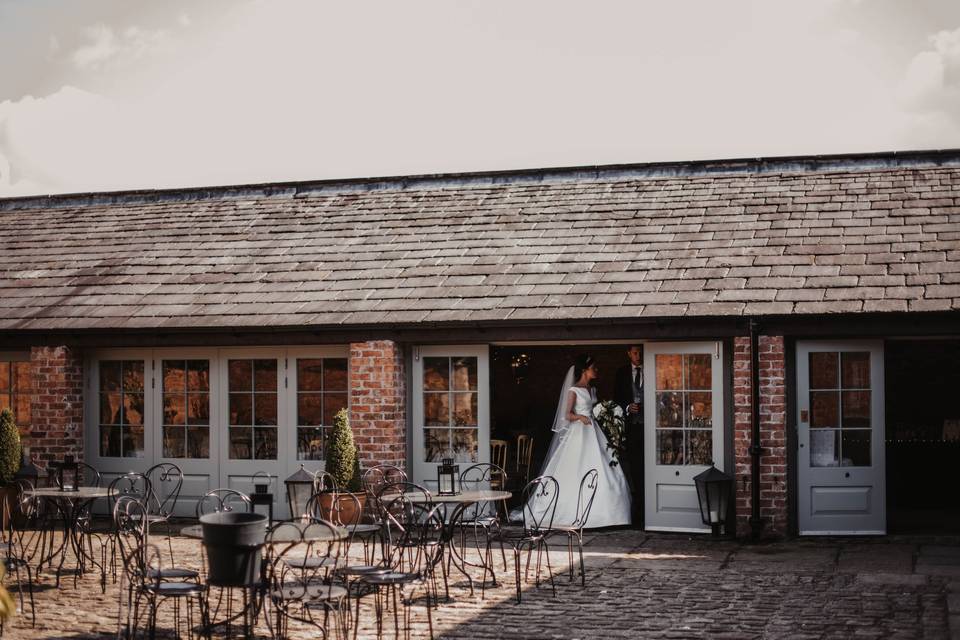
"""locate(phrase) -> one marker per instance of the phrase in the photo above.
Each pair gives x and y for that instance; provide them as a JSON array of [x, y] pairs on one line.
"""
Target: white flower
[[597, 410], [618, 411]]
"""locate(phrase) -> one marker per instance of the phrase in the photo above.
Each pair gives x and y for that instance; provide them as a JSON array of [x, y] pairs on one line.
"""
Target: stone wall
[[378, 402], [773, 436], [56, 427]]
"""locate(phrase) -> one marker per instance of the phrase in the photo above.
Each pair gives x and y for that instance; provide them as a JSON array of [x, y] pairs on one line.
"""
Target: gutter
[[756, 450]]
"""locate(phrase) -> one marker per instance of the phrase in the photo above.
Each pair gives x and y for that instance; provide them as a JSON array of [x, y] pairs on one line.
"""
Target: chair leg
[[553, 586], [516, 562], [583, 571], [570, 553]]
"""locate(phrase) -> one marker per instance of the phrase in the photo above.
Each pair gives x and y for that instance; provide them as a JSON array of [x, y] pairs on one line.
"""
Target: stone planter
[[233, 543]]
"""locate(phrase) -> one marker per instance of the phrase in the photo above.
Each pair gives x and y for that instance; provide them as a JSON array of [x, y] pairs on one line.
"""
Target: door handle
[[846, 475], [678, 473]]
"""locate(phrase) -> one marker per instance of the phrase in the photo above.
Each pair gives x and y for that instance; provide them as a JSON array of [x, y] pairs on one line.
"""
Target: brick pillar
[[378, 402], [56, 427], [773, 437]]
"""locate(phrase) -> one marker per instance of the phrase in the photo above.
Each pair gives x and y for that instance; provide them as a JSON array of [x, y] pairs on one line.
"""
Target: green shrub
[[9, 446], [343, 463]]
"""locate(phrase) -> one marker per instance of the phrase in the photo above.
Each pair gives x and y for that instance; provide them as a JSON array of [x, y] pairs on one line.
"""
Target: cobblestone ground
[[645, 586]]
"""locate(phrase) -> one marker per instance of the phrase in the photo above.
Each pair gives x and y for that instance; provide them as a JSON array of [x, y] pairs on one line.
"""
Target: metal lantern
[[261, 496], [68, 474], [299, 490], [448, 475], [261, 482], [714, 488]]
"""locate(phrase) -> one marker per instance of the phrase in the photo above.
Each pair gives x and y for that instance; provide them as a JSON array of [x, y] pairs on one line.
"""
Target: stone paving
[[643, 585]]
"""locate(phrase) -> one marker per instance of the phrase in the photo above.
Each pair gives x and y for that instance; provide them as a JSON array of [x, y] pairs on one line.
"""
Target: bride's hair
[[581, 364]]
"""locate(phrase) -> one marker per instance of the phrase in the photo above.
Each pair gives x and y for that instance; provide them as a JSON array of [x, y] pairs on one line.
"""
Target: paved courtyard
[[652, 586]]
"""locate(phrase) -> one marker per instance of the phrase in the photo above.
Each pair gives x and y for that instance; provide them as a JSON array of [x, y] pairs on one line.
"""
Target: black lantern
[[713, 492], [261, 496], [68, 473], [448, 475], [299, 490]]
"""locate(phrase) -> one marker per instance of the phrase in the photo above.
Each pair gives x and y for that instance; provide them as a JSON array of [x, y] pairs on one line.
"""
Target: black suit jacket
[[623, 386]]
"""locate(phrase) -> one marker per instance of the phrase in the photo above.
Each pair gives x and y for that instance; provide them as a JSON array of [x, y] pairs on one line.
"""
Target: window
[[252, 385], [121, 408], [186, 408], [684, 409], [840, 398], [15, 389], [321, 393], [450, 408]]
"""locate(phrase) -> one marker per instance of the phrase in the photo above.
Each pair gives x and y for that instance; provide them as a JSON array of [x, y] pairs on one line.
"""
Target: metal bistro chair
[[539, 503], [129, 485], [481, 516], [220, 500], [574, 531], [19, 544], [373, 481], [524, 457]]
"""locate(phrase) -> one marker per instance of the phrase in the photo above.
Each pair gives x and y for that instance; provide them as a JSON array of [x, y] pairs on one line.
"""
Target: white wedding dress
[[575, 449]]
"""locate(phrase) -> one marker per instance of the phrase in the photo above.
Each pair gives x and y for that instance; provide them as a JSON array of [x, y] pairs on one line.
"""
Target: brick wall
[[773, 437], [378, 402], [56, 427]]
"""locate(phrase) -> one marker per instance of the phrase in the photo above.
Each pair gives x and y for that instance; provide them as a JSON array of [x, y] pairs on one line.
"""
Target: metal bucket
[[233, 542]]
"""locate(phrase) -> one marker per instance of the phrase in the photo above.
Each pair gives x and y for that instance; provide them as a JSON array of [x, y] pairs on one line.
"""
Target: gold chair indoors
[[498, 456], [524, 457]]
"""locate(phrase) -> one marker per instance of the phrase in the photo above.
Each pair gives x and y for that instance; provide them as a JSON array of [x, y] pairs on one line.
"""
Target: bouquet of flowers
[[609, 416]]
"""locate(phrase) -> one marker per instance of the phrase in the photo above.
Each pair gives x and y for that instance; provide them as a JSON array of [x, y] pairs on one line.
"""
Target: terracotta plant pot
[[347, 508]]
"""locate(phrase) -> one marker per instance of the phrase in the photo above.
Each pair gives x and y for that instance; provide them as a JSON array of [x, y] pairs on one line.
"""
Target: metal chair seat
[[363, 528], [314, 592], [361, 570], [172, 573], [175, 589], [309, 562], [392, 577]]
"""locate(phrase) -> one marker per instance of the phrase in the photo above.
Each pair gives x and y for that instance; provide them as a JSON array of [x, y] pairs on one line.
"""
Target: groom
[[628, 393]]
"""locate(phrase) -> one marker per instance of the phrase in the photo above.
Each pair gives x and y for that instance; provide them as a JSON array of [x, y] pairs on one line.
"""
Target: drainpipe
[[756, 523]]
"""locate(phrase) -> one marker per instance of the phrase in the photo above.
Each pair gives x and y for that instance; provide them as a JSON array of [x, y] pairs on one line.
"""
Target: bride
[[579, 445]]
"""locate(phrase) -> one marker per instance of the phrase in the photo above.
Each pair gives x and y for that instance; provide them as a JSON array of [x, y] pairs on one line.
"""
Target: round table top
[[290, 532], [82, 493], [464, 497]]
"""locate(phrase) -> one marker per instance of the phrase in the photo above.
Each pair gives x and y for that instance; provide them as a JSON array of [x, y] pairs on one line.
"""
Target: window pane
[[198, 375], [265, 409], [265, 443], [174, 442], [436, 409], [198, 442], [335, 374], [436, 444], [436, 374], [332, 403], [109, 375], [5, 377], [465, 409], [265, 375], [310, 443], [174, 408], [824, 409], [198, 408], [669, 371], [133, 375], [133, 442], [823, 370], [22, 408], [109, 408], [698, 371], [669, 410], [133, 408], [310, 375], [240, 377], [465, 445], [465, 374], [241, 408], [669, 446], [699, 406], [856, 409], [856, 370], [5, 401], [856, 448], [241, 443], [174, 375], [22, 377], [309, 409], [825, 448], [699, 446], [109, 441]]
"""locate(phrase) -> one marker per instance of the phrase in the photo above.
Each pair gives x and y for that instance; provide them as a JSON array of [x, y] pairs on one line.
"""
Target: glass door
[[451, 413], [683, 430]]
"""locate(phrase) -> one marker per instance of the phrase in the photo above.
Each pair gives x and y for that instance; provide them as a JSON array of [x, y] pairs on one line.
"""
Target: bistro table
[[70, 505], [463, 501]]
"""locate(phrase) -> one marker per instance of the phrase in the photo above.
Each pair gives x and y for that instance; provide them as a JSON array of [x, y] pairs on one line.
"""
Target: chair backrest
[[294, 582], [219, 500], [133, 485], [166, 481], [323, 481], [539, 502], [402, 504], [498, 453], [373, 481], [483, 475], [130, 526], [588, 491], [524, 455]]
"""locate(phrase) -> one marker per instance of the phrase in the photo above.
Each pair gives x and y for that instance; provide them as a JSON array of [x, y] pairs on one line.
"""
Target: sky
[[130, 94]]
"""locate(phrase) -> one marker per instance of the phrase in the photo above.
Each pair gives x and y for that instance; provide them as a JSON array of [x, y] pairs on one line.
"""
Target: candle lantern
[[261, 482], [68, 473], [448, 476], [713, 492], [299, 490], [261, 496]]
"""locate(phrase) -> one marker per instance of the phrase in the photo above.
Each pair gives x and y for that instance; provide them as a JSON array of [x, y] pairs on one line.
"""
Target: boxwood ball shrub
[[343, 463], [9, 446]]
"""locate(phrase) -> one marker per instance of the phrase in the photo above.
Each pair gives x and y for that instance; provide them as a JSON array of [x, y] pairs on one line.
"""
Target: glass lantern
[[261, 482], [68, 474], [448, 475], [299, 490], [713, 493]]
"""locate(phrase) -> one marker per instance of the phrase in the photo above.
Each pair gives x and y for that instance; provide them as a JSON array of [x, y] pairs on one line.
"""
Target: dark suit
[[623, 395]]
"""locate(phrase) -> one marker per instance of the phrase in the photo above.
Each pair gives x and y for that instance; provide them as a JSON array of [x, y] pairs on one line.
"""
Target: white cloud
[[106, 45], [932, 79]]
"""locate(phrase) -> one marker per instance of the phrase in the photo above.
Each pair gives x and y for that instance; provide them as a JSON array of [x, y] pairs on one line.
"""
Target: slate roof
[[876, 233]]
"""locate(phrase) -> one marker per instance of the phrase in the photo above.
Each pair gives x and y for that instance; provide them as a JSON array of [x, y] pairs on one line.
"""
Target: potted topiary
[[343, 463], [10, 453]]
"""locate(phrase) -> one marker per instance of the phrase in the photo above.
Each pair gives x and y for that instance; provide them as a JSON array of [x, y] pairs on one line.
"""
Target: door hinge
[[416, 353]]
